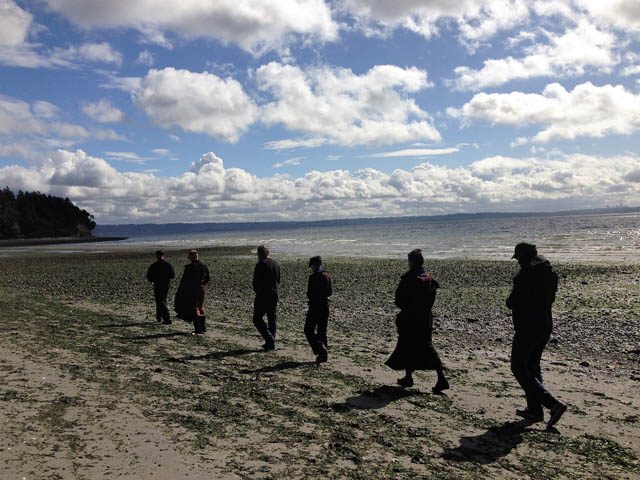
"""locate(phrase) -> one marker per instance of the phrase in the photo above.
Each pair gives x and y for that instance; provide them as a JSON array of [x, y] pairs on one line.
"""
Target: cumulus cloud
[[335, 105], [586, 111], [570, 54], [27, 129], [254, 25], [622, 14], [16, 50], [209, 191], [196, 102], [478, 20], [103, 112]]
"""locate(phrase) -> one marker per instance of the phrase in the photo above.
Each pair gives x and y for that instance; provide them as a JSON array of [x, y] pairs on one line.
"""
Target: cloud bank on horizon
[[320, 109]]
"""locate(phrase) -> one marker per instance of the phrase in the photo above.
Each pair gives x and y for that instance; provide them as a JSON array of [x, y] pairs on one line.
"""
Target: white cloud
[[631, 70], [27, 129], [196, 102], [130, 157], [14, 24], [336, 105], [145, 58], [416, 152], [209, 191], [92, 52], [586, 111], [293, 162], [290, 143], [570, 54], [254, 25], [623, 14], [103, 112], [477, 20]]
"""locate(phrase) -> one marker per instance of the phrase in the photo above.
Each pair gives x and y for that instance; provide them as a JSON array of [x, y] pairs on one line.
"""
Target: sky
[[154, 111]]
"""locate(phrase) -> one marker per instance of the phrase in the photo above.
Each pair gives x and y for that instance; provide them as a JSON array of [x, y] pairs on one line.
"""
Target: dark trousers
[[160, 293], [268, 308], [526, 353], [315, 327]]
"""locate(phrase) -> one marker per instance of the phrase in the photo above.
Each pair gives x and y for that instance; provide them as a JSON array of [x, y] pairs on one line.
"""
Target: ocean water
[[609, 237]]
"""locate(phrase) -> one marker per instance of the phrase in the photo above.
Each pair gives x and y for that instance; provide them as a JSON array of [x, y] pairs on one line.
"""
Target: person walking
[[189, 301], [160, 273], [533, 293], [318, 292], [415, 296], [266, 278]]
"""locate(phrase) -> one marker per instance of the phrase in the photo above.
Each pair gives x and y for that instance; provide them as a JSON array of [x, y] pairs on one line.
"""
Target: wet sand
[[92, 387]]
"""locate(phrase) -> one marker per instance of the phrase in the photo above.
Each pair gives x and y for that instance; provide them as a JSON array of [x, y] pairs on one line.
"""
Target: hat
[[524, 249], [317, 260]]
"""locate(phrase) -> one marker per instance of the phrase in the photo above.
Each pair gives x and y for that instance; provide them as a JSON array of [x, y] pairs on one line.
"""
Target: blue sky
[[155, 111]]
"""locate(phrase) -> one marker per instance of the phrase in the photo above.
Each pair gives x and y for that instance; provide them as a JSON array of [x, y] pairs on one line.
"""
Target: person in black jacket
[[189, 302], [415, 297], [160, 274], [530, 301], [266, 278], [318, 293]]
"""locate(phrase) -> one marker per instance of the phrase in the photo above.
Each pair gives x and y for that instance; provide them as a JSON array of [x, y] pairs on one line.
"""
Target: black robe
[[189, 301], [415, 297]]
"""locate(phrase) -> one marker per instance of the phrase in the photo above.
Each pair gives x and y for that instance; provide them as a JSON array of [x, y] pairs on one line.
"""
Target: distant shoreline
[[30, 242]]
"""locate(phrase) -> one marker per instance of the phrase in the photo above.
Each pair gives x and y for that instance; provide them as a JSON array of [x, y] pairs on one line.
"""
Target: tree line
[[38, 215]]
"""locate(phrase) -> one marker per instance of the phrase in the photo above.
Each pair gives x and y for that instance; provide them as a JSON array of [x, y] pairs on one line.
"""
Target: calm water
[[614, 237]]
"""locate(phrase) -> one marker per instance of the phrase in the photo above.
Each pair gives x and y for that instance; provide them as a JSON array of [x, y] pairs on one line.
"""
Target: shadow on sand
[[125, 325], [374, 399], [280, 366], [156, 336], [214, 355], [490, 446]]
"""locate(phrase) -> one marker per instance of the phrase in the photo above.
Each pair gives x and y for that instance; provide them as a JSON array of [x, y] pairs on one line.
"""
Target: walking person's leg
[[258, 321]]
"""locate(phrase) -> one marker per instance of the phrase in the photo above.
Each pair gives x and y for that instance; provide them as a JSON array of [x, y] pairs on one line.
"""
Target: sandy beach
[[92, 387]]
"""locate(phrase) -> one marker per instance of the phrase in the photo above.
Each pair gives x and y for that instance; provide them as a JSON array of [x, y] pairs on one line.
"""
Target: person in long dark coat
[[415, 296], [160, 274], [530, 301], [266, 278], [189, 302], [318, 292]]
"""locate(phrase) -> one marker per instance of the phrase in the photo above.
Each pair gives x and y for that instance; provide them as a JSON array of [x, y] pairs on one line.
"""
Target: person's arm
[[206, 277], [278, 274], [327, 285], [401, 300], [172, 272], [150, 273], [256, 281], [309, 287]]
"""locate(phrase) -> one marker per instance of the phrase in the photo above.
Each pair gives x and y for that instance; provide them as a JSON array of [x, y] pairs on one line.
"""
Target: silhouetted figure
[[266, 278], [530, 301], [160, 274], [189, 303], [415, 297], [318, 292]]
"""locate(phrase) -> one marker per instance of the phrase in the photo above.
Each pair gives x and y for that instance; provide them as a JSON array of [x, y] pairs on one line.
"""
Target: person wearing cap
[[318, 293], [533, 293], [266, 278], [189, 302], [160, 274], [415, 296]]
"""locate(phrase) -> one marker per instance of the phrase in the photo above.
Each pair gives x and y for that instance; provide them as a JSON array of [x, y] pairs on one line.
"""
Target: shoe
[[405, 382], [440, 386], [269, 346], [556, 412], [530, 415], [322, 357]]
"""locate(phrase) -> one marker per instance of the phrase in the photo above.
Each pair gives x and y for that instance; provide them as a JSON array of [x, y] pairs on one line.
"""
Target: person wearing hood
[[415, 296], [318, 293], [189, 301], [530, 301]]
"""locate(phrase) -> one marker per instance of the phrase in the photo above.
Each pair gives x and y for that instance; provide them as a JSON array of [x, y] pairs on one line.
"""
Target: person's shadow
[[488, 447], [155, 336], [213, 355], [374, 399]]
